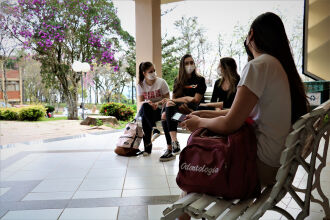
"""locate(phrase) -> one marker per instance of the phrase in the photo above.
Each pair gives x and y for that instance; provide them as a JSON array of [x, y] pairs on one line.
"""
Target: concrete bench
[[310, 135]]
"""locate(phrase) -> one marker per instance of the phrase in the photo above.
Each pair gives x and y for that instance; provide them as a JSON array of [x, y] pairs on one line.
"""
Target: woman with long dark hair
[[270, 91], [188, 93]]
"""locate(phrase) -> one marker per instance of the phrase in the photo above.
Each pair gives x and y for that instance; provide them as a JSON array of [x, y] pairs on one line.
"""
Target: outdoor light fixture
[[78, 66]]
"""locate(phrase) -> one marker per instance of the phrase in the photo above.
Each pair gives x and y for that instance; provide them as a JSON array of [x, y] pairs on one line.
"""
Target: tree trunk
[[71, 101], [96, 96]]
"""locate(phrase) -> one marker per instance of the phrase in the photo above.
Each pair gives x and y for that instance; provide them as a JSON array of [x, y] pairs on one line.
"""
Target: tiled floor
[[83, 179]]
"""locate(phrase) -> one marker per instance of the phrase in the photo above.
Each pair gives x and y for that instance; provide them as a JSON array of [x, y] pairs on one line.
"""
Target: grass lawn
[[52, 119], [121, 125]]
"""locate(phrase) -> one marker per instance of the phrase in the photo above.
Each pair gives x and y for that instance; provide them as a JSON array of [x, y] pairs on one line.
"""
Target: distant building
[[14, 86]]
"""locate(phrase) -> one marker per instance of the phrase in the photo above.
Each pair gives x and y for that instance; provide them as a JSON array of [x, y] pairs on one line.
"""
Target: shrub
[[120, 111], [8, 114], [32, 113], [49, 108], [99, 122]]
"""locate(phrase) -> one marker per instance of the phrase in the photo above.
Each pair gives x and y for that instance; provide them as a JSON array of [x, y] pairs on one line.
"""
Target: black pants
[[149, 118], [172, 125]]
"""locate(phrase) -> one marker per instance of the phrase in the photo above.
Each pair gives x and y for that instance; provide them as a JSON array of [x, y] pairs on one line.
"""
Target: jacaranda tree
[[59, 32]]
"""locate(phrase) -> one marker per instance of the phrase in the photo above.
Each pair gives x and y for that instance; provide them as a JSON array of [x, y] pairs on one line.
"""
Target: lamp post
[[82, 68]]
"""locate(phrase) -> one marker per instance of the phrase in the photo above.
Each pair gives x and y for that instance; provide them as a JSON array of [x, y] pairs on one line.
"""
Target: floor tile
[[67, 173], [144, 162], [97, 213], [92, 184], [172, 181], [175, 191], [27, 175], [58, 185], [315, 216], [97, 194], [133, 212], [4, 190], [146, 171], [146, 192], [43, 214], [48, 196], [110, 164], [106, 172], [271, 215], [145, 183], [171, 170], [155, 212]]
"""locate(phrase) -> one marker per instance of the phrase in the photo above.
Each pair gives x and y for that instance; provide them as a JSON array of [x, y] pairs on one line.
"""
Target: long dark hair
[[182, 78], [144, 66], [270, 37], [229, 67]]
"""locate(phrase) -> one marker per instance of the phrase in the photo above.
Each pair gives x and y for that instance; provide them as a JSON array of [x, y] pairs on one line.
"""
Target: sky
[[216, 16]]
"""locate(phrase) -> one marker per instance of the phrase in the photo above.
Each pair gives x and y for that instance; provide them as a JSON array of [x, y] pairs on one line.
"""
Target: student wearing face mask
[[225, 87], [188, 93], [270, 91], [152, 93]]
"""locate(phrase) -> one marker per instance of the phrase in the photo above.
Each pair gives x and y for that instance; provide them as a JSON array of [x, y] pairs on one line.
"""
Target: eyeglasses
[[189, 62]]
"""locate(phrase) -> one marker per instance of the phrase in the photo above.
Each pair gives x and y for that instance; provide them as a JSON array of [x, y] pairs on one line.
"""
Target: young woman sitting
[[270, 91], [188, 93], [225, 87], [152, 93]]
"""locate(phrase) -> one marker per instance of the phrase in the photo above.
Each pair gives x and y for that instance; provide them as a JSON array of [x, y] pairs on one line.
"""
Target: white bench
[[313, 128]]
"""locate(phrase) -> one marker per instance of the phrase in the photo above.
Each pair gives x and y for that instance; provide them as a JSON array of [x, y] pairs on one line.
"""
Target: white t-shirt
[[154, 92], [266, 78]]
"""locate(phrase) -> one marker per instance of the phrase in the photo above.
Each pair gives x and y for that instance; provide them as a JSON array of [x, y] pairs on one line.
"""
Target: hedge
[[29, 113], [121, 111]]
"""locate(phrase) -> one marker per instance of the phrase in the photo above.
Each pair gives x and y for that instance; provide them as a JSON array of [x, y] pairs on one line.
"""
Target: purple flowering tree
[[59, 32]]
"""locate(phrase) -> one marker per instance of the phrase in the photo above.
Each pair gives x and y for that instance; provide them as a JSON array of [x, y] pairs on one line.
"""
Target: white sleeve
[[254, 78], [139, 90], [164, 88]]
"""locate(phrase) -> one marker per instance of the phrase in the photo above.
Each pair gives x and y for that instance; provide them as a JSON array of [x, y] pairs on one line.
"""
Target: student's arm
[[213, 104], [244, 103], [210, 113], [140, 100]]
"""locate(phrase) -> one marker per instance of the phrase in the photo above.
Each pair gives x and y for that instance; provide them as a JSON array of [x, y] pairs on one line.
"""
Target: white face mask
[[219, 71], [151, 76], [190, 68]]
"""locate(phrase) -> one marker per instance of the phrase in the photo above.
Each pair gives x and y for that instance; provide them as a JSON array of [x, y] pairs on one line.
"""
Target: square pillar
[[148, 34]]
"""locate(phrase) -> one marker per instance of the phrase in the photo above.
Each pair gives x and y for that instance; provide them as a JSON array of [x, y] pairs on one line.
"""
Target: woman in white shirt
[[270, 91], [152, 93]]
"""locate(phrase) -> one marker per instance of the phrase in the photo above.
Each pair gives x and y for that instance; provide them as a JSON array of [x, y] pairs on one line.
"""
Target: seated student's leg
[[167, 156], [171, 109], [146, 113]]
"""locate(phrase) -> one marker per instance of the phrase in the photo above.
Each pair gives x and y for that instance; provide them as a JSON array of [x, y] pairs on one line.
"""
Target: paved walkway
[[19, 131], [82, 178]]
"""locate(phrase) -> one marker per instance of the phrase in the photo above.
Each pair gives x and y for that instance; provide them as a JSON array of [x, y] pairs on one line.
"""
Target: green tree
[[170, 60], [60, 32]]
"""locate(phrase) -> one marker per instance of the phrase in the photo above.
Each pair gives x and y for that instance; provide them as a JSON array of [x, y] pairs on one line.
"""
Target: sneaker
[[156, 134], [176, 147], [147, 150], [167, 156]]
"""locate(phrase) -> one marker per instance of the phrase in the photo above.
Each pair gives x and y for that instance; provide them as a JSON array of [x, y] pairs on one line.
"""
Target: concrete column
[[148, 33]]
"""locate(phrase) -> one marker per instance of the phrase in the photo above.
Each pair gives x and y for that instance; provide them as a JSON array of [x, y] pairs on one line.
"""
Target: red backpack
[[220, 165]]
